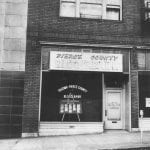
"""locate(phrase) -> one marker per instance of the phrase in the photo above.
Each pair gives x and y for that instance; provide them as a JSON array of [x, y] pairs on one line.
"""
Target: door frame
[[122, 107]]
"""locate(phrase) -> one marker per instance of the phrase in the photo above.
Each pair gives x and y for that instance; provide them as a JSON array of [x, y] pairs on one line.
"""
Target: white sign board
[[147, 102], [86, 61]]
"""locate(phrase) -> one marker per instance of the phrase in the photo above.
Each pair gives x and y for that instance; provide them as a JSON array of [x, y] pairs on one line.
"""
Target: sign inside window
[[71, 102], [71, 86], [70, 107], [86, 61]]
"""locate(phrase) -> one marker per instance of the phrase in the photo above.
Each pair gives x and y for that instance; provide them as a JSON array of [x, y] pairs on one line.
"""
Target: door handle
[[105, 112]]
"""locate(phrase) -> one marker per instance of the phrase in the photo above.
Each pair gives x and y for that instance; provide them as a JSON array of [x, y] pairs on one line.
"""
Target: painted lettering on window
[[72, 87]]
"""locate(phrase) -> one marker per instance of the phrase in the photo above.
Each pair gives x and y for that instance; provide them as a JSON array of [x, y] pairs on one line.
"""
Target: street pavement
[[107, 140]]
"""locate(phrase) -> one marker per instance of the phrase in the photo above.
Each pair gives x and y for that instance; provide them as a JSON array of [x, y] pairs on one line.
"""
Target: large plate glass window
[[70, 96]]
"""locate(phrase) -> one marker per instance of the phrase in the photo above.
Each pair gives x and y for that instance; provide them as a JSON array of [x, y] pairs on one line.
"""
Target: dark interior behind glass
[[86, 89]]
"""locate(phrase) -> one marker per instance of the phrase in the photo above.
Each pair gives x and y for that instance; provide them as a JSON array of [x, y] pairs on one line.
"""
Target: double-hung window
[[68, 8], [96, 9], [90, 9], [147, 10], [113, 10]]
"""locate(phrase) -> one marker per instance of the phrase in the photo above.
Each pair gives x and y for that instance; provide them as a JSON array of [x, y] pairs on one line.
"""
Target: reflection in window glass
[[97, 9], [147, 10], [114, 2], [113, 80], [147, 15], [147, 3], [141, 60], [113, 13], [113, 105], [67, 9], [90, 10], [71, 96]]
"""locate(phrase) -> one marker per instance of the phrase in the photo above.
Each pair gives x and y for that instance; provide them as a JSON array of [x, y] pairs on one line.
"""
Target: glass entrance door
[[113, 109]]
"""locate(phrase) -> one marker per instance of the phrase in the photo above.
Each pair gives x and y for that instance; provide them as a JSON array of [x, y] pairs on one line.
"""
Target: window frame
[[148, 5], [65, 2], [104, 4], [147, 10], [114, 7], [96, 4]]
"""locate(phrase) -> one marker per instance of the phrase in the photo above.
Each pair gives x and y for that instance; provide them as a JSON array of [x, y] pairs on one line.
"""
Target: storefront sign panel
[[86, 61]]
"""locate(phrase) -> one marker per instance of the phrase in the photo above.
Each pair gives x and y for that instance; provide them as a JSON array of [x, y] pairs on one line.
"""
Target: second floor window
[[147, 10], [96, 9]]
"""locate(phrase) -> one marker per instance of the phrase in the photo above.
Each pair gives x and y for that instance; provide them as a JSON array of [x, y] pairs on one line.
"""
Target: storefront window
[[144, 92], [71, 96]]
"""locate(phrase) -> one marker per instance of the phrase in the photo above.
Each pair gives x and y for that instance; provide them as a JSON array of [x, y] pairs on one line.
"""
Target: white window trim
[[104, 4]]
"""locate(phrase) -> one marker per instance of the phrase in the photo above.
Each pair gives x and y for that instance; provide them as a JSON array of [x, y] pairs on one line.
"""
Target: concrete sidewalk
[[106, 140]]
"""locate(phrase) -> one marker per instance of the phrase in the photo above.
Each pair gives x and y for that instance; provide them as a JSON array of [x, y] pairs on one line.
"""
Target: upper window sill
[[90, 19]]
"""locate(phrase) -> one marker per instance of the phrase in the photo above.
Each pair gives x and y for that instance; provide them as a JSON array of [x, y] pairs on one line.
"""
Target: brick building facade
[[87, 67], [53, 103]]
